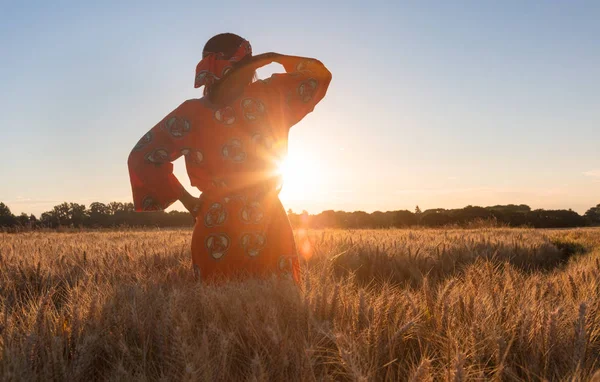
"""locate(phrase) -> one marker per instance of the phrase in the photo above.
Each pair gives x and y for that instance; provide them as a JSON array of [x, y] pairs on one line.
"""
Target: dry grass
[[413, 305]]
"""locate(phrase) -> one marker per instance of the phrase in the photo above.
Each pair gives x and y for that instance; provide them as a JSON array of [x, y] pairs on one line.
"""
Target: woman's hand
[[191, 203], [240, 76], [268, 57], [259, 61]]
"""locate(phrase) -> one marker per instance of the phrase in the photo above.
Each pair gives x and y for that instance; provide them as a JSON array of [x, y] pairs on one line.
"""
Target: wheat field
[[399, 305]]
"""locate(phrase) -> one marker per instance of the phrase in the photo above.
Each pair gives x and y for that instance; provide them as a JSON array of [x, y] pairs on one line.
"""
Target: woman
[[233, 140]]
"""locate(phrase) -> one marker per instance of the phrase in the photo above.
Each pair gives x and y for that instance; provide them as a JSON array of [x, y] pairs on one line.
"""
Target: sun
[[283, 169], [287, 169], [301, 176]]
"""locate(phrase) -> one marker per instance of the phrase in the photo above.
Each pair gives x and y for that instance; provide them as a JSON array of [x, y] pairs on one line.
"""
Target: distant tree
[[33, 221], [97, 208], [327, 219], [77, 214], [128, 208], [436, 218], [4, 210], [7, 219], [360, 219], [99, 215], [116, 214], [114, 207], [61, 214], [23, 220], [382, 219], [555, 219], [48, 220], [470, 214], [65, 214], [593, 215], [404, 219], [511, 208]]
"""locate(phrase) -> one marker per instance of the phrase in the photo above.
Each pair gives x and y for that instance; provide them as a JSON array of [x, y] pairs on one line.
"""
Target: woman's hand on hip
[[191, 203]]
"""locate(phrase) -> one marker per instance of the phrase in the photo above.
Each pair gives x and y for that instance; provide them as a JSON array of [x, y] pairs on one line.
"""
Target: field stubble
[[503, 304]]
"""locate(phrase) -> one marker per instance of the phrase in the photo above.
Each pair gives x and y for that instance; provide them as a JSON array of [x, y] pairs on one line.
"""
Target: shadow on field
[[408, 265], [570, 248]]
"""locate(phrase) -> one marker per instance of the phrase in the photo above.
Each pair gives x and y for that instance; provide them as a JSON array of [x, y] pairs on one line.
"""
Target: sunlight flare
[[302, 176]]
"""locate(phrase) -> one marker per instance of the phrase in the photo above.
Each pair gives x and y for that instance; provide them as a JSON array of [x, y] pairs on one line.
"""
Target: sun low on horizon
[[305, 178], [302, 177]]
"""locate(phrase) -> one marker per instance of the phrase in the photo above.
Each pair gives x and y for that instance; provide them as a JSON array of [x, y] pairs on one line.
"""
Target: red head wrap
[[214, 66]]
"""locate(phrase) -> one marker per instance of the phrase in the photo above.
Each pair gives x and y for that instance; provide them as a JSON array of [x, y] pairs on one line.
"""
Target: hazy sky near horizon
[[440, 104]]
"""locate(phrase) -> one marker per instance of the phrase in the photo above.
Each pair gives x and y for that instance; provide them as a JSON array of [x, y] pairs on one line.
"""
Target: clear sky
[[440, 104]]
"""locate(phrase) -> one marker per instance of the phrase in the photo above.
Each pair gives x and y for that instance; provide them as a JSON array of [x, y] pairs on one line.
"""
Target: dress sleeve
[[153, 184], [301, 88]]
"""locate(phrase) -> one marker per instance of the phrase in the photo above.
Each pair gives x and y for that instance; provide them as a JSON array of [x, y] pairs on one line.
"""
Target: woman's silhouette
[[233, 140]]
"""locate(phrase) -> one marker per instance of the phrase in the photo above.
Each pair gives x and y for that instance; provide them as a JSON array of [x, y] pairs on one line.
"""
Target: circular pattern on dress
[[216, 215], [219, 183], [192, 156], [253, 243], [205, 78], [247, 47], [307, 89], [304, 65], [262, 140], [178, 127], [225, 115], [234, 151], [252, 109], [285, 264], [226, 71], [217, 245], [197, 274], [197, 157], [252, 213], [143, 142], [157, 156], [149, 204]]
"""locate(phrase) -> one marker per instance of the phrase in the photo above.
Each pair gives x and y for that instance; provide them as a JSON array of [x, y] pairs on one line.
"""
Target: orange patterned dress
[[231, 154]]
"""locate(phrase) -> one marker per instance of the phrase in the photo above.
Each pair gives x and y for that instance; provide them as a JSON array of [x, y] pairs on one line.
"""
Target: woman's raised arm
[[153, 184], [302, 87]]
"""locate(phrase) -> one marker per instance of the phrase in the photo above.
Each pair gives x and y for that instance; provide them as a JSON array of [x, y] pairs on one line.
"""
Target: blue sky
[[440, 104]]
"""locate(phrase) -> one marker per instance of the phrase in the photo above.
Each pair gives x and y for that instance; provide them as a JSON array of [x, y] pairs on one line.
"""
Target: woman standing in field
[[233, 140]]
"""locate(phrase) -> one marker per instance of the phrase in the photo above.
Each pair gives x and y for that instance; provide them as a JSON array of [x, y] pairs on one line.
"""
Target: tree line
[[97, 215], [508, 215], [115, 214]]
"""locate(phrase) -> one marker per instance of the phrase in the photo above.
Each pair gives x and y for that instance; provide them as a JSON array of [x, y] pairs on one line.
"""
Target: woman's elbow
[[324, 73], [132, 162], [326, 78]]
